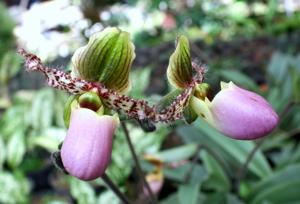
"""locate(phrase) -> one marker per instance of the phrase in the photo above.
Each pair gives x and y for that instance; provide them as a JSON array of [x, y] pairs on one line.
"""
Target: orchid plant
[[99, 81]]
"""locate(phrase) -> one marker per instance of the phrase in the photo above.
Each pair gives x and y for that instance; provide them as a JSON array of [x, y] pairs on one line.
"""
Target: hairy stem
[[115, 189], [137, 163]]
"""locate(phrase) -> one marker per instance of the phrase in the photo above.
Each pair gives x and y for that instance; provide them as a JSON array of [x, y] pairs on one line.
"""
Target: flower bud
[[237, 113], [86, 151]]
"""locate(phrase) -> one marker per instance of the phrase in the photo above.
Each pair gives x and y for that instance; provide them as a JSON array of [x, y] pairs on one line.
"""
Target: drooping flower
[[237, 113], [86, 150]]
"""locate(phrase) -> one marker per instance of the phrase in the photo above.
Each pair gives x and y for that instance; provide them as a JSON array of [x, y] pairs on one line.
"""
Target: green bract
[[179, 71], [107, 58]]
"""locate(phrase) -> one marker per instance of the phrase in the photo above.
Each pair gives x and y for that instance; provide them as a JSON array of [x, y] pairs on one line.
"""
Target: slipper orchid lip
[[86, 151], [238, 113]]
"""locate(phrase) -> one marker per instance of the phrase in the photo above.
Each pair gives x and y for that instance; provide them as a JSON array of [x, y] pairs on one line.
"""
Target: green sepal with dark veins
[[70, 104], [180, 73], [107, 58]]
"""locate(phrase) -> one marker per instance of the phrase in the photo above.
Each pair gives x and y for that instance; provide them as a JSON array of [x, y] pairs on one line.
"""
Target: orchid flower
[[86, 150], [237, 113], [100, 79]]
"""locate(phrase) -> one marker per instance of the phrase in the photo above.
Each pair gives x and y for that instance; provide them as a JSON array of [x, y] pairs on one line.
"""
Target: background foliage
[[253, 43]]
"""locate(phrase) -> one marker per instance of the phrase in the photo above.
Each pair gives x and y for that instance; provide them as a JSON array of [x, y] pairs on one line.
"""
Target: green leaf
[[16, 149], [175, 198], [188, 193], [49, 139], [13, 120], [42, 110], [108, 197], [278, 188], [6, 29], [59, 108], [285, 177], [179, 71], [107, 58], [122, 163], [239, 78], [221, 197], [276, 99], [171, 199], [291, 120], [217, 178], [14, 188], [2, 152], [82, 191], [295, 84], [232, 151], [179, 174], [278, 67], [140, 79], [281, 193], [178, 153], [238, 150], [10, 65]]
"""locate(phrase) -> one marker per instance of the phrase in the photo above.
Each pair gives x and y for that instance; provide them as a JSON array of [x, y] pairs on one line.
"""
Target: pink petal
[[242, 114], [86, 151]]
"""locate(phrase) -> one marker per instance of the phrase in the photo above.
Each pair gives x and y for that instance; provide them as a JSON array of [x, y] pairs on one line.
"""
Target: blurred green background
[[256, 44]]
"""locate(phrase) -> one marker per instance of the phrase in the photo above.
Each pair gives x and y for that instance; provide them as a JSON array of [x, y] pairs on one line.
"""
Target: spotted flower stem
[[133, 108]]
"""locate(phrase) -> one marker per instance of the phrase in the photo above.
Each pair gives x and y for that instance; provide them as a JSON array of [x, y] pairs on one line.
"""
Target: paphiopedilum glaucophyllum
[[100, 73]]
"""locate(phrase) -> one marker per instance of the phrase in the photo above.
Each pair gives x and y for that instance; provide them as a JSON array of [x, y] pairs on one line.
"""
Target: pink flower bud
[[238, 113], [86, 151]]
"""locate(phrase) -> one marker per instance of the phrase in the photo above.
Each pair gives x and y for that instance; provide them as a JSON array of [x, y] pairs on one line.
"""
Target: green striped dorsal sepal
[[180, 73], [107, 59]]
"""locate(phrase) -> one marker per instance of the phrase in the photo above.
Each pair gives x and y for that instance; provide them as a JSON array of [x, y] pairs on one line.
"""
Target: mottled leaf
[[82, 191], [16, 149]]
